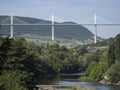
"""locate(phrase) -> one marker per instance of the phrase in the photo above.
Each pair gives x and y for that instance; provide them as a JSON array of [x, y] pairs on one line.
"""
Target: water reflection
[[72, 80]]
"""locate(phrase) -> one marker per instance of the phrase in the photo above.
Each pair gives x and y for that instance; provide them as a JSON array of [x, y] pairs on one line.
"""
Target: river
[[72, 80]]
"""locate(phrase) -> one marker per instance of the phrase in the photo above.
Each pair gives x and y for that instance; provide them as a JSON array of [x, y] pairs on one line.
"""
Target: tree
[[15, 55], [95, 71], [0, 29], [113, 73], [82, 51], [117, 48], [114, 51], [111, 54], [104, 56], [4, 47], [11, 80]]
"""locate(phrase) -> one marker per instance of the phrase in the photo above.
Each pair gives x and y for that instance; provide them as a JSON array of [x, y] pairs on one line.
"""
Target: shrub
[[95, 71], [11, 81], [113, 73]]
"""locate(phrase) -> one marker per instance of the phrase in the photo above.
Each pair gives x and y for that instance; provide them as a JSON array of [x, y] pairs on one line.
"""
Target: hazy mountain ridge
[[67, 32]]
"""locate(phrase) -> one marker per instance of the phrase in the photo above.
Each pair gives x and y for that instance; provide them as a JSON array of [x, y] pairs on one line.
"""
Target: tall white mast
[[95, 29], [52, 27], [11, 26]]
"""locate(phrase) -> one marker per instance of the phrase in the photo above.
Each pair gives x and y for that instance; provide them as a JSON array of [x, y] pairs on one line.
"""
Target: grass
[[47, 39]]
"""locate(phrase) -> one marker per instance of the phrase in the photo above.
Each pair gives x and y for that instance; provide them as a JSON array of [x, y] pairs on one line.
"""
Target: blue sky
[[80, 11]]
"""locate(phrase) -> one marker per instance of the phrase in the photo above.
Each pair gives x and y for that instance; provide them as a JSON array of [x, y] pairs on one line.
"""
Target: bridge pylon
[[11, 26], [53, 27], [95, 29]]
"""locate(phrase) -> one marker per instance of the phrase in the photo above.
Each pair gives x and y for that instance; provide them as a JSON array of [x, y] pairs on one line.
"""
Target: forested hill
[[67, 32]]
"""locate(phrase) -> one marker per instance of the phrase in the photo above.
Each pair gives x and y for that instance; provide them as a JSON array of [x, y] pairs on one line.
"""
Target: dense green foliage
[[111, 54], [117, 48], [114, 51], [11, 80], [19, 56], [95, 71], [22, 63], [113, 73], [109, 67], [62, 60], [28, 62]]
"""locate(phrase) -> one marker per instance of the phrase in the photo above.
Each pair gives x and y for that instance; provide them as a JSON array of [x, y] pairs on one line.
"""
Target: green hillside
[[79, 32]]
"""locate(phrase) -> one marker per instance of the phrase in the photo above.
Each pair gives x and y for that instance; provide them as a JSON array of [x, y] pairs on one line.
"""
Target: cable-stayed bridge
[[14, 21]]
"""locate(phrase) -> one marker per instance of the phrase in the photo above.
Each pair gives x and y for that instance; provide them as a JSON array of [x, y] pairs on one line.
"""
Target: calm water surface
[[72, 80]]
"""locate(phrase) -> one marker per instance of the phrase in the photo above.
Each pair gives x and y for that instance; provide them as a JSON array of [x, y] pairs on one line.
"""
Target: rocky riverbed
[[103, 81], [58, 87]]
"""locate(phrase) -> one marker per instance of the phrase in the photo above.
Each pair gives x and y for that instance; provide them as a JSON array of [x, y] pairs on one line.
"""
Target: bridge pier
[[52, 27], [11, 26], [95, 28]]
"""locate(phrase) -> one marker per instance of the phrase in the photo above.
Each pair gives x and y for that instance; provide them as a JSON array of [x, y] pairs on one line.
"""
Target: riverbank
[[58, 87], [103, 81]]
